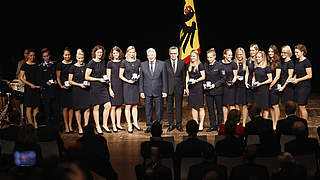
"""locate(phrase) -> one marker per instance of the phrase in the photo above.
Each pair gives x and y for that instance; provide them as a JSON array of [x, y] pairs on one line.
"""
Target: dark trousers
[[177, 98], [210, 101], [51, 109], [158, 101]]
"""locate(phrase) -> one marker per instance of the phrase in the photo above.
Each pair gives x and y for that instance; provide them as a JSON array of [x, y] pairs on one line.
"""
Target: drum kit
[[9, 91]]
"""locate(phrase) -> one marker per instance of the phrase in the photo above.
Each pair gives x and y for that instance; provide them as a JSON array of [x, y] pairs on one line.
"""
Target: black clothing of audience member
[[289, 169], [192, 147], [199, 171], [47, 133], [284, 126], [94, 153], [153, 170], [258, 125], [10, 133], [165, 148], [269, 145], [231, 146], [302, 144], [249, 170]]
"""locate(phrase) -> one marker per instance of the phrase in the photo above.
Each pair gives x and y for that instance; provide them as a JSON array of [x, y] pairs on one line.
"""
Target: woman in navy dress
[[195, 74], [287, 68], [241, 90], [254, 48], [96, 73], [129, 68], [274, 62], [80, 90], [29, 75], [261, 79], [229, 90], [302, 79], [214, 92], [116, 88], [65, 93]]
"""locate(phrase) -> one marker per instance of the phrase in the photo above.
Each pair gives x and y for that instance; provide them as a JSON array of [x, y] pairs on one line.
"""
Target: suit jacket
[[176, 81], [301, 146], [249, 171], [231, 146], [258, 126], [192, 147], [284, 126], [215, 76], [153, 85]]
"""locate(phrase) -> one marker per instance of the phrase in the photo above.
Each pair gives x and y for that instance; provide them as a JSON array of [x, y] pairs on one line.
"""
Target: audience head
[[290, 107], [156, 129], [42, 119], [192, 128], [14, 117], [230, 128], [234, 115], [254, 110], [88, 130], [250, 153], [285, 159], [27, 135], [299, 129]]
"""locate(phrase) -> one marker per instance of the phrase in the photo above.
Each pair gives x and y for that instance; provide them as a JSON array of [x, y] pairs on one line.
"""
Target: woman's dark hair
[[96, 48]]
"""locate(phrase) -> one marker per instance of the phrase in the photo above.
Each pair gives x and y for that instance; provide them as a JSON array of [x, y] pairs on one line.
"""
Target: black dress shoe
[[106, 130], [171, 128], [211, 129], [179, 128], [148, 130], [139, 129]]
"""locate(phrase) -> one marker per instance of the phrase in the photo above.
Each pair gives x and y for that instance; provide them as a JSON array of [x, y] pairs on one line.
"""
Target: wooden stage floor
[[125, 148]]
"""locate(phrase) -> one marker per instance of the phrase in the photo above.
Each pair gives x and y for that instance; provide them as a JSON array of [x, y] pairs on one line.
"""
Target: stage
[[125, 148]]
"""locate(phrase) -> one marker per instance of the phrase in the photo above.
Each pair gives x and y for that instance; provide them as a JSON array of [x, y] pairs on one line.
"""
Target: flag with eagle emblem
[[189, 39]]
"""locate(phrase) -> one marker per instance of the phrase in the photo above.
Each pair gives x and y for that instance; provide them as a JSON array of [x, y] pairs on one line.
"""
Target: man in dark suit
[[258, 125], [284, 126], [153, 86], [176, 84]]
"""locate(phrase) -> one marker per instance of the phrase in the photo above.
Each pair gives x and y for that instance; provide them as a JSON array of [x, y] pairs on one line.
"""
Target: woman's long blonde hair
[[236, 60], [196, 63]]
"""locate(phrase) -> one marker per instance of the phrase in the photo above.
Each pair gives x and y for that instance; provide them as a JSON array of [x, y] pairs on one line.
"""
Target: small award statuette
[[190, 81], [66, 83], [134, 77]]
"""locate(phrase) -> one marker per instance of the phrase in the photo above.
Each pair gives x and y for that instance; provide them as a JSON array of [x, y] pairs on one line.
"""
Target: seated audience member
[[199, 171], [231, 145], [249, 170], [258, 125], [94, 153], [11, 132], [153, 170], [46, 132], [234, 115], [165, 148], [302, 144], [192, 147], [284, 126], [289, 169]]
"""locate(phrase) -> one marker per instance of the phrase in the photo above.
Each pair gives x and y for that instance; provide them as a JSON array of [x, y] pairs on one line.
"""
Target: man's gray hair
[[151, 49]]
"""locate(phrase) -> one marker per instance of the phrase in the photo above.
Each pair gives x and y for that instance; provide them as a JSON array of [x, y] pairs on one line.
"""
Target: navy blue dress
[[80, 96], [241, 90], [250, 65], [229, 92], [303, 88], [65, 95], [261, 93], [31, 96], [274, 93], [130, 91], [196, 98], [99, 93], [116, 83], [288, 92]]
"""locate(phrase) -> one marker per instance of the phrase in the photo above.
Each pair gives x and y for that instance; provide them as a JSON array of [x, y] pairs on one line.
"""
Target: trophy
[[207, 85], [105, 77], [134, 77], [190, 81]]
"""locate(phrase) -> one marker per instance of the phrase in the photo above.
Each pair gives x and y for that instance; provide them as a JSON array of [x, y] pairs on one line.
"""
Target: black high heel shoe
[[106, 130], [139, 129], [121, 129]]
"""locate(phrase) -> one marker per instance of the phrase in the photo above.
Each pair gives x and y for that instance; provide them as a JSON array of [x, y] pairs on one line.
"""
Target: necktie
[[174, 66], [151, 68]]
